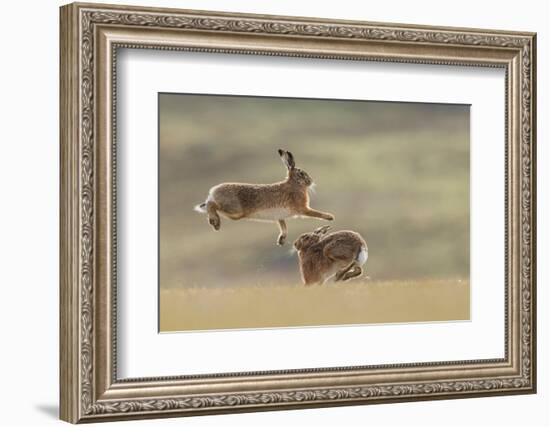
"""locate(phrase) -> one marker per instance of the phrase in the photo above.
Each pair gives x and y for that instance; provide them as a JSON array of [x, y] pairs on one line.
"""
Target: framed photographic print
[[265, 212]]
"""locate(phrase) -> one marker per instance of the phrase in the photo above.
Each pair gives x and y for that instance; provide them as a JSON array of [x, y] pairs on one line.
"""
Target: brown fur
[[323, 255], [268, 202]]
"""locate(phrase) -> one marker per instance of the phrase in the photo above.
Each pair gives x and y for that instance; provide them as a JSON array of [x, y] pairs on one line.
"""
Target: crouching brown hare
[[340, 254], [264, 202]]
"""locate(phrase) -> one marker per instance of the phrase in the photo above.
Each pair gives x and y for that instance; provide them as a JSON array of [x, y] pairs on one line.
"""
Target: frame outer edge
[[68, 227], [305, 19], [533, 111]]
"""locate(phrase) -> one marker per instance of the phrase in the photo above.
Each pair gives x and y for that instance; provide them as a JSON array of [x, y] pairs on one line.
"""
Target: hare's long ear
[[322, 230], [287, 158]]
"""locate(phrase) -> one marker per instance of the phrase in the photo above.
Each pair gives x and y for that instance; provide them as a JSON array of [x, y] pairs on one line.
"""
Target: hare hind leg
[[213, 217], [349, 272], [356, 271]]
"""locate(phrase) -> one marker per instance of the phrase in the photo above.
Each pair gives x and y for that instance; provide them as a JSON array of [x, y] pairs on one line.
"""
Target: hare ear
[[322, 230], [287, 158]]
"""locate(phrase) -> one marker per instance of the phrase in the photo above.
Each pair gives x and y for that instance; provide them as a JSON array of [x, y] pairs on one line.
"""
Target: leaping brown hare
[[321, 256], [264, 202]]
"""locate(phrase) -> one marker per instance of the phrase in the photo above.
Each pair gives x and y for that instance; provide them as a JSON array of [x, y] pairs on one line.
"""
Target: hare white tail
[[201, 208], [362, 255]]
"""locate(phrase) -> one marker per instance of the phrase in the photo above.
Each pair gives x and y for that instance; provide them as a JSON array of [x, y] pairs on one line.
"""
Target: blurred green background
[[398, 173]]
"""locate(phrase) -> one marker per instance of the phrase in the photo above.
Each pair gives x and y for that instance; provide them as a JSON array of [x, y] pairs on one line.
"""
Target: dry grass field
[[358, 302]]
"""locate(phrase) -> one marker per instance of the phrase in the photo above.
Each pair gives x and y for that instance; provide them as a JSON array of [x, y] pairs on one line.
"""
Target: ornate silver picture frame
[[91, 36]]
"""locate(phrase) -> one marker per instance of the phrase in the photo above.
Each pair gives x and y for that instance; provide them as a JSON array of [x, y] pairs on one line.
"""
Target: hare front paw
[[328, 217], [281, 239]]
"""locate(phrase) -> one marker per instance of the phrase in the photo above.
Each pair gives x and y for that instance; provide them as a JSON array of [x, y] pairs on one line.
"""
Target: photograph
[[289, 212]]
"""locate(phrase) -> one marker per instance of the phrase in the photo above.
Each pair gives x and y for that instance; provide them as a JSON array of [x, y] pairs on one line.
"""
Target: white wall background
[[29, 171]]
